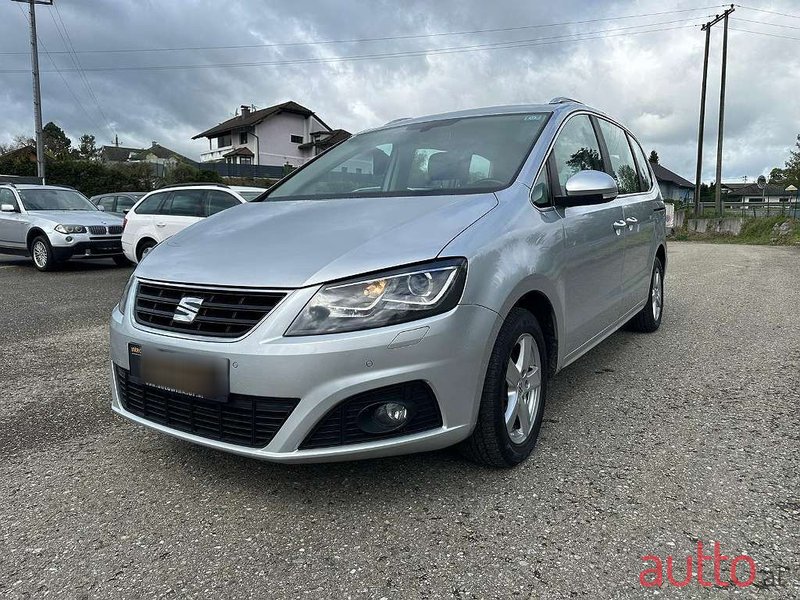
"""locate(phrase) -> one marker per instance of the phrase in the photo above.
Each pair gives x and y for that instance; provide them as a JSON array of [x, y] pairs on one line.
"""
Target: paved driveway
[[650, 444]]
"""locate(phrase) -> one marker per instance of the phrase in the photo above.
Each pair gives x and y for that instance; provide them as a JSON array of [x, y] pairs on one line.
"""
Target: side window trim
[[601, 141], [634, 143], [607, 156]]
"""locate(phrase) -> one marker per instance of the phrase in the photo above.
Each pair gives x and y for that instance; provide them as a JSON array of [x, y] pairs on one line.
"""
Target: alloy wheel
[[657, 294], [40, 254], [524, 381]]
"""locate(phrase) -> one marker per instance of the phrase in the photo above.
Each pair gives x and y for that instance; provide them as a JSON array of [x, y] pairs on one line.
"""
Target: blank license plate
[[189, 374]]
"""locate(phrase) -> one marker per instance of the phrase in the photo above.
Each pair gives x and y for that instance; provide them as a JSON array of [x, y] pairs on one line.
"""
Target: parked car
[[168, 210], [53, 223], [412, 288], [118, 202], [249, 193]]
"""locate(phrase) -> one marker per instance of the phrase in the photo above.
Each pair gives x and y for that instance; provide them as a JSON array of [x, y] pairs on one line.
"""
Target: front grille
[[223, 313], [340, 425], [250, 421], [103, 230]]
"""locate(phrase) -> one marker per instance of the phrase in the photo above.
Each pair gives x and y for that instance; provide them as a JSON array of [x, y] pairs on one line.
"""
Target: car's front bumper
[[84, 246], [449, 352]]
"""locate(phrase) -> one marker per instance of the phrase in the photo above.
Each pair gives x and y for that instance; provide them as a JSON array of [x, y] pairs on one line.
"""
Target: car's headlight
[[70, 229], [386, 298], [123, 300]]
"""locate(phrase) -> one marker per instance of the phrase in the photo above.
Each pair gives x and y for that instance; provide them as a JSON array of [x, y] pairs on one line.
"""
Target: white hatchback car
[[166, 211]]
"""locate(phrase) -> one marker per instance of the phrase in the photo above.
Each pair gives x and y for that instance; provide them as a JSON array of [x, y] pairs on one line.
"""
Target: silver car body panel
[[593, 276], [15, 227]]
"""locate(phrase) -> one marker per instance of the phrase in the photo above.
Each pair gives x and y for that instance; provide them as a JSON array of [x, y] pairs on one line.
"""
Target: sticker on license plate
[[181, 373]]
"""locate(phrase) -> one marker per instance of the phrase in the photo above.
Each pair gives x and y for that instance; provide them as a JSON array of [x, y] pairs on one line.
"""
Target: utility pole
[[707, 28], [699, 175], [720, 131], [37, 92]]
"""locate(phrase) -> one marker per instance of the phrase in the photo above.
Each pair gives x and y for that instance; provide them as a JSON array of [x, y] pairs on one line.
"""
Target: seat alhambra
[[412, 288]]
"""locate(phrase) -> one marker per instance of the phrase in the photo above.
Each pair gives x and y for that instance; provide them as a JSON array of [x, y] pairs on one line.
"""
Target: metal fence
[[747, 209]]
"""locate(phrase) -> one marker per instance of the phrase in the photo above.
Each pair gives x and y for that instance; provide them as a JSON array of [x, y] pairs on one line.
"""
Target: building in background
[[673, 186], [280, 135], [161, 158], [750, 192]]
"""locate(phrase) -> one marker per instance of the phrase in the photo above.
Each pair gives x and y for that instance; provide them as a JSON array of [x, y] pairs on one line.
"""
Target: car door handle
[[161, 224], [619, 226], [632, 220]]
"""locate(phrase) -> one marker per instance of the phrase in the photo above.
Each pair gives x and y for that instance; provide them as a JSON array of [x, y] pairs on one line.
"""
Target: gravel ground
[[650, 443]]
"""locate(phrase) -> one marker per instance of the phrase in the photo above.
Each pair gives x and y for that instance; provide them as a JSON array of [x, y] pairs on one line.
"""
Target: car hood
[[77, 217], [291, 244]]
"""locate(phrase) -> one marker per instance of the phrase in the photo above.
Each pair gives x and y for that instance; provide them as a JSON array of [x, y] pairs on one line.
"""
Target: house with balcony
[[284, 134]]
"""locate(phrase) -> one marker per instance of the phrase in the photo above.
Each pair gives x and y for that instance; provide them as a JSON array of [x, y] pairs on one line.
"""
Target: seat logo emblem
[[187, 309]]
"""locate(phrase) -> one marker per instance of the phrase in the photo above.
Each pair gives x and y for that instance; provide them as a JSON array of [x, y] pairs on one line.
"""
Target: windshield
[[54, 199], [455, 156], [251, 195]]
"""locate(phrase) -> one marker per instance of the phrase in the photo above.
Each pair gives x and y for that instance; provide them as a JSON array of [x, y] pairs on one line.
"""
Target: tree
[[56, 141], [791, 171], [19, 141], [86, 148], [183, 173], [653, 157]]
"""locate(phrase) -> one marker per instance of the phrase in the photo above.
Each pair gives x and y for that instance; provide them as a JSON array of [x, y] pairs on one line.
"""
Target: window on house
[[297, 139], [245, 160], [243, 137], [224, 140]]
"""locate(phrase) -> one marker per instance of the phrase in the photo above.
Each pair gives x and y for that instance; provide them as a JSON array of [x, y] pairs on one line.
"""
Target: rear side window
[[149, 205], [643, 164], [623, 167], [219, 201], [124, 203], [576, 149], [185, 203], [107, 203]]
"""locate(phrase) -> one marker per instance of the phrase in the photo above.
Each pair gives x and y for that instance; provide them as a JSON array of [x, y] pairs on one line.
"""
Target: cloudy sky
[[640, 61]]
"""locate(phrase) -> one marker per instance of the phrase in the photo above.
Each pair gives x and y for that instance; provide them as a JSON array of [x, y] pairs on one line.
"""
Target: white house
[[273, 136]]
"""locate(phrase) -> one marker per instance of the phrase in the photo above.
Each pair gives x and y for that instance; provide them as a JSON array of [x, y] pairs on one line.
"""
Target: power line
[[774, 35], [76, 61], [767, 23], [769, 12], [413, 53], [385, 38], [60, 74]]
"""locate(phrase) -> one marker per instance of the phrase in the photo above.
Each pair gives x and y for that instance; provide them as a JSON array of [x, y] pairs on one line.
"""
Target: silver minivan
[[412, 288]]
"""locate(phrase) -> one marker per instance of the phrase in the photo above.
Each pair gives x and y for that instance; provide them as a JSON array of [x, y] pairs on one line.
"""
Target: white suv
[[166, 211]]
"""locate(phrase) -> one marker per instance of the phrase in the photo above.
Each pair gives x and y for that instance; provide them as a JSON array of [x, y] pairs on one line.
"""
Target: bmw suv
[[52, 223], [412, 288]]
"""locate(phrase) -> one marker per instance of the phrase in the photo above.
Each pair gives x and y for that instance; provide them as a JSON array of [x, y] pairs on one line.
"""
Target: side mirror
[[126, 211], [101, 208], [7, 208], [588, 187]]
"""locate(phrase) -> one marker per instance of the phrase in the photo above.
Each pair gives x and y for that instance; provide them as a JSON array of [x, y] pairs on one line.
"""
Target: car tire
[[648, 319], [144, 247], [121, 261], [503, 437], [41, 251]]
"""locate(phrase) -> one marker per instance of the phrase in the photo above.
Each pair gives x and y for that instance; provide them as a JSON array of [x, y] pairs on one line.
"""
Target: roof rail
[[196, 183], [393, 121], [563, 100]]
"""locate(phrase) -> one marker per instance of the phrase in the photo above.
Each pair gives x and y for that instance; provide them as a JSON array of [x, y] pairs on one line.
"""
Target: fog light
[[69, 238], [391, 414], [384, 417]]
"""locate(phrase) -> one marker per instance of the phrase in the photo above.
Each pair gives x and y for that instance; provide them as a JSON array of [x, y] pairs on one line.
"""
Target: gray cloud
[[648, 81]]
